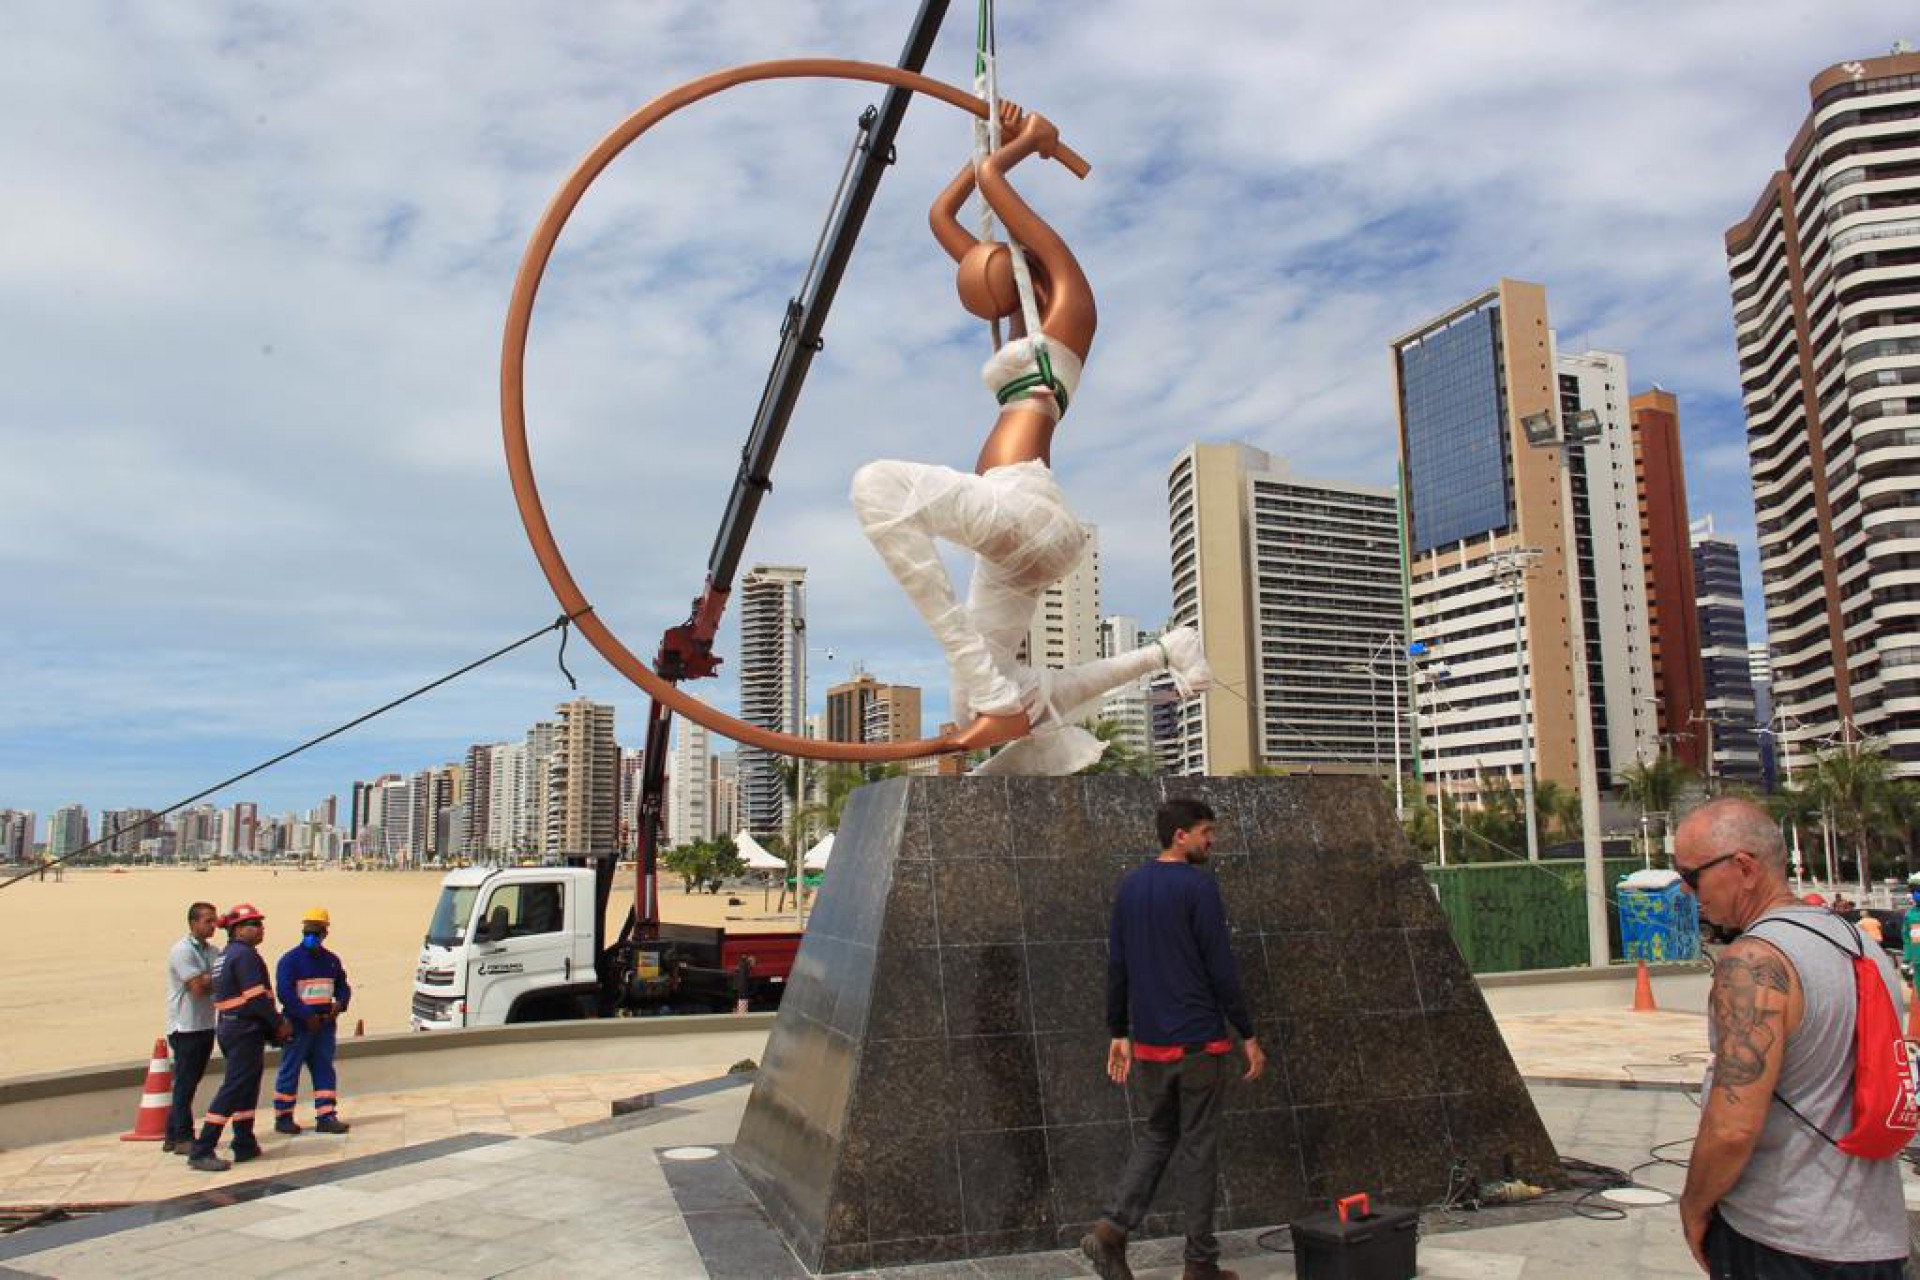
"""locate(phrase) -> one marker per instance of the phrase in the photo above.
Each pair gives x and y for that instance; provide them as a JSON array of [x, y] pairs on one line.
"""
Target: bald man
[[1768, 1193]]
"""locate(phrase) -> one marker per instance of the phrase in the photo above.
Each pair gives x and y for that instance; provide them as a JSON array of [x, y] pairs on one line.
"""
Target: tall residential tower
[[1825, 274]]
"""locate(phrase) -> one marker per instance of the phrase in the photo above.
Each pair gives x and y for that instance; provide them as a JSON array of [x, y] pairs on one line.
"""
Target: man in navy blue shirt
[[1172, 989]]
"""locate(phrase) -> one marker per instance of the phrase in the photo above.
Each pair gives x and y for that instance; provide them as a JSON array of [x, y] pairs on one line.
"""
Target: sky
[[255, 262]]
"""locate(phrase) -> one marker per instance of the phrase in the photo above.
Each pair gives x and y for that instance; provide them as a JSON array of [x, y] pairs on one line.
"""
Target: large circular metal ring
[[513, 409]]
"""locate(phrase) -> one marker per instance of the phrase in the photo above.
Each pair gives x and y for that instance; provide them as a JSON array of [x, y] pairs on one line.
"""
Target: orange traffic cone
[[360, 1027], [156, 1099], [1643, 991]]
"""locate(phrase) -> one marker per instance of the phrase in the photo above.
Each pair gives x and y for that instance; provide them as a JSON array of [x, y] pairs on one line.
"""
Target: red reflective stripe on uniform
[[243, 1115], [284, 1097], [251, 992], [215, 1119], [324, 1108], [326, 1093]]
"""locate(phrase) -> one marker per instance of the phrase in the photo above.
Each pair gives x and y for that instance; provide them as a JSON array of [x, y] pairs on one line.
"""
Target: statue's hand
[[1045, 136]]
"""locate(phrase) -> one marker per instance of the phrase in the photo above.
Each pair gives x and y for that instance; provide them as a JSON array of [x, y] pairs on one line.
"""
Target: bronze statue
[[1009, 511]]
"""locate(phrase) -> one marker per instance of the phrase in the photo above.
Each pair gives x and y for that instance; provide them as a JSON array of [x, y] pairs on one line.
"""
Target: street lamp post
[[1544, 431], [1510, 571]]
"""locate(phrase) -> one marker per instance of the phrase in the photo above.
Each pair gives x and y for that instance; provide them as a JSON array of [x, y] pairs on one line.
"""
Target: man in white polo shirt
[[190, 1019]]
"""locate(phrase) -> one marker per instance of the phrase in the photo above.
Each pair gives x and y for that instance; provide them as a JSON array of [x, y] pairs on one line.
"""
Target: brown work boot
[[1207, 1271], [1106, 1247]]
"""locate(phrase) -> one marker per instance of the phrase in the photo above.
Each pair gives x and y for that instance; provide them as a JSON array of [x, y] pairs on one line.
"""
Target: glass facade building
[[1458, 471]]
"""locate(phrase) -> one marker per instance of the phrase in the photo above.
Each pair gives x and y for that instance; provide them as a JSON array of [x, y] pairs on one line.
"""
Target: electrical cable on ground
[[562, 624]]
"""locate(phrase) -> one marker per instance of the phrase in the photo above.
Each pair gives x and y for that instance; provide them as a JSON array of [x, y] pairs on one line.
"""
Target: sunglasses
[[1691, 876]]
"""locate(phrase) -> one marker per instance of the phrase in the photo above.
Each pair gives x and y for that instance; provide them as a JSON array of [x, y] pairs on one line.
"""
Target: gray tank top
[[1798, 1192]]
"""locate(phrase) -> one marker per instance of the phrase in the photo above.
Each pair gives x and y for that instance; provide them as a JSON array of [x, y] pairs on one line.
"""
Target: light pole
[[1433, 676], [1544, 431], [1510, 570]]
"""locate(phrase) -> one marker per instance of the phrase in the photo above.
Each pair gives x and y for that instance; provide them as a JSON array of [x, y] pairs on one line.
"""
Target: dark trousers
[[245, 1049], [313, 1050], [191, 1049], [1734, 1257], [1183, 1118]]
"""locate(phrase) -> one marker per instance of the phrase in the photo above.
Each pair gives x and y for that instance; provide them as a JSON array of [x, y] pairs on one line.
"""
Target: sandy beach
[[83, 961]]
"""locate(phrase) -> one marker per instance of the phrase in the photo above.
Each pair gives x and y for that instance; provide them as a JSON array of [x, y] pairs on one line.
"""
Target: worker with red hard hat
[[313, 993], [247, 1018]]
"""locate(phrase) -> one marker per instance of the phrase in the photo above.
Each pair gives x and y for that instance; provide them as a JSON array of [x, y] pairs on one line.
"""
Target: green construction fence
[[1511, 916]]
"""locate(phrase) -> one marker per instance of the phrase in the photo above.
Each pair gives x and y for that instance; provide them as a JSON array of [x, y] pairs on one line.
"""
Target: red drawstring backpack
[[1885, 1083]]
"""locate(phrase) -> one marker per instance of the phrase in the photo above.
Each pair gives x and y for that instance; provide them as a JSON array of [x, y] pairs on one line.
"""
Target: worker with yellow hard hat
[[314, 993]]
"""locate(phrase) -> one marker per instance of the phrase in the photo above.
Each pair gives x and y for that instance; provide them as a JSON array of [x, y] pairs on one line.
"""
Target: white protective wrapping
[[1016, 522], [1016, 360]]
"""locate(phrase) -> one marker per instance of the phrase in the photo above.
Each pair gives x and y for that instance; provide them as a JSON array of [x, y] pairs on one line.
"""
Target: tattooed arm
[[1754, 1005]]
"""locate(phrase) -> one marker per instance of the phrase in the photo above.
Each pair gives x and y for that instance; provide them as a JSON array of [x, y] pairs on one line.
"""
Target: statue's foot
[[991, 731], [1186, 662]]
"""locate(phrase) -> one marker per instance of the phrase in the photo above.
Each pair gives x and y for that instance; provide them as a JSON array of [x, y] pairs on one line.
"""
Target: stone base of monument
[[935, 1087]]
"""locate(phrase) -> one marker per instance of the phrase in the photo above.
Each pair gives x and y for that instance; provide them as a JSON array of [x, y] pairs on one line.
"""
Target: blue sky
[[254, 263]]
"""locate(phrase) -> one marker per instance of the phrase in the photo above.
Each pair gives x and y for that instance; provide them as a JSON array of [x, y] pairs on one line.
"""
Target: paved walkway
[[104, 1170], [600, 1200], [496, 1181]]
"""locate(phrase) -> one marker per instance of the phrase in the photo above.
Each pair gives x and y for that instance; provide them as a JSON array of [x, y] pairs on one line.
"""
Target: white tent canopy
[[756, 857], [817, 856]]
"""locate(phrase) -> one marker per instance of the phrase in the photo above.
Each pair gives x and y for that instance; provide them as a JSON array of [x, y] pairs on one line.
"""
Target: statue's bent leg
[[903, 507]]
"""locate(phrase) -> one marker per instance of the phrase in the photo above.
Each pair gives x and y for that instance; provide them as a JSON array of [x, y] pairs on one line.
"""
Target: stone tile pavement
[[104, 1170], [596, 1199]]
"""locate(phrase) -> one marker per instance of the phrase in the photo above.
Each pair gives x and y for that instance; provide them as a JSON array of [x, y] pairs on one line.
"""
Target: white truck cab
[[508, 944]]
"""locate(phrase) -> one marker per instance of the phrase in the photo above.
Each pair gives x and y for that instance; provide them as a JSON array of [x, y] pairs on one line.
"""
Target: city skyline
[[332, 528]]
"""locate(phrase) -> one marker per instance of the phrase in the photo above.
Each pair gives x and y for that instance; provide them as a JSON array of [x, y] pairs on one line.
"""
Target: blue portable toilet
[[1659, 919]]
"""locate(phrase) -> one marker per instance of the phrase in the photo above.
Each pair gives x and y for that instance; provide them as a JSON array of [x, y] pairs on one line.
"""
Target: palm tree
[[1654, 786], [1557, 809], [1121, 757], [1855, 786]]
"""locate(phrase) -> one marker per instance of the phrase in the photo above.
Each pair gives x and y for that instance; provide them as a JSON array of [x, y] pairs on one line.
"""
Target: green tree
[[1121, 757], [1654, 788], [1854, 785], [705, 863], [1557, 809]]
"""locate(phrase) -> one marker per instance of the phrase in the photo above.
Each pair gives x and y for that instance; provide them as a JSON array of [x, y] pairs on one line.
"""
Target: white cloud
[[255, 260]]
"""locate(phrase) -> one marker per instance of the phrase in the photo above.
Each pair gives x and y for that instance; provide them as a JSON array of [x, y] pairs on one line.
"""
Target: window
[[525, 909], [1456, 432]]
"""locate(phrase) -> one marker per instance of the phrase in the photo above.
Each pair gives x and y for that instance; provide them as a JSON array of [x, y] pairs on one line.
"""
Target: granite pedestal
[[935, 1085]]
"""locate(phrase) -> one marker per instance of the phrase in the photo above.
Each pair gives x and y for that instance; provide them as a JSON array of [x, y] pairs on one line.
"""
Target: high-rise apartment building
[[1760, 670], [1065, 630], [1825, 275], [17, 827], [773, 644], [1729, 725], [1295, 586], [1486, 539], [583, 782], [478, 803], [1127, 707], [1673, 623], [726, 794], [67, 830], [690, 785], [124, 829], [507, 792], [864, 709]]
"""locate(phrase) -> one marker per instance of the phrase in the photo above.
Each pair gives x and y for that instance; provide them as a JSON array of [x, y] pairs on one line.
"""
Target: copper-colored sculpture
[[1017, 448], [1009, 512]]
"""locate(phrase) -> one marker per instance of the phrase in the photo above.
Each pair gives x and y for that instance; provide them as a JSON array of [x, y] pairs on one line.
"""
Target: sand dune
[[83, 962]]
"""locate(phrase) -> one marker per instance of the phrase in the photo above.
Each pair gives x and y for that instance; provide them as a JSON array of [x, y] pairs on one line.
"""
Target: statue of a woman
[[1009, 512]]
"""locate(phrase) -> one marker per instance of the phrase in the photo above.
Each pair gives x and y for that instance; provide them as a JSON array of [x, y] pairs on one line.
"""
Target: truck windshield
[[450, 916]]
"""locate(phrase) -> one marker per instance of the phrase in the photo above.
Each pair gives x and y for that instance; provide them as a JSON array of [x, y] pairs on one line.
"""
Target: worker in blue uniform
[[247, 1019], [313, 994]]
